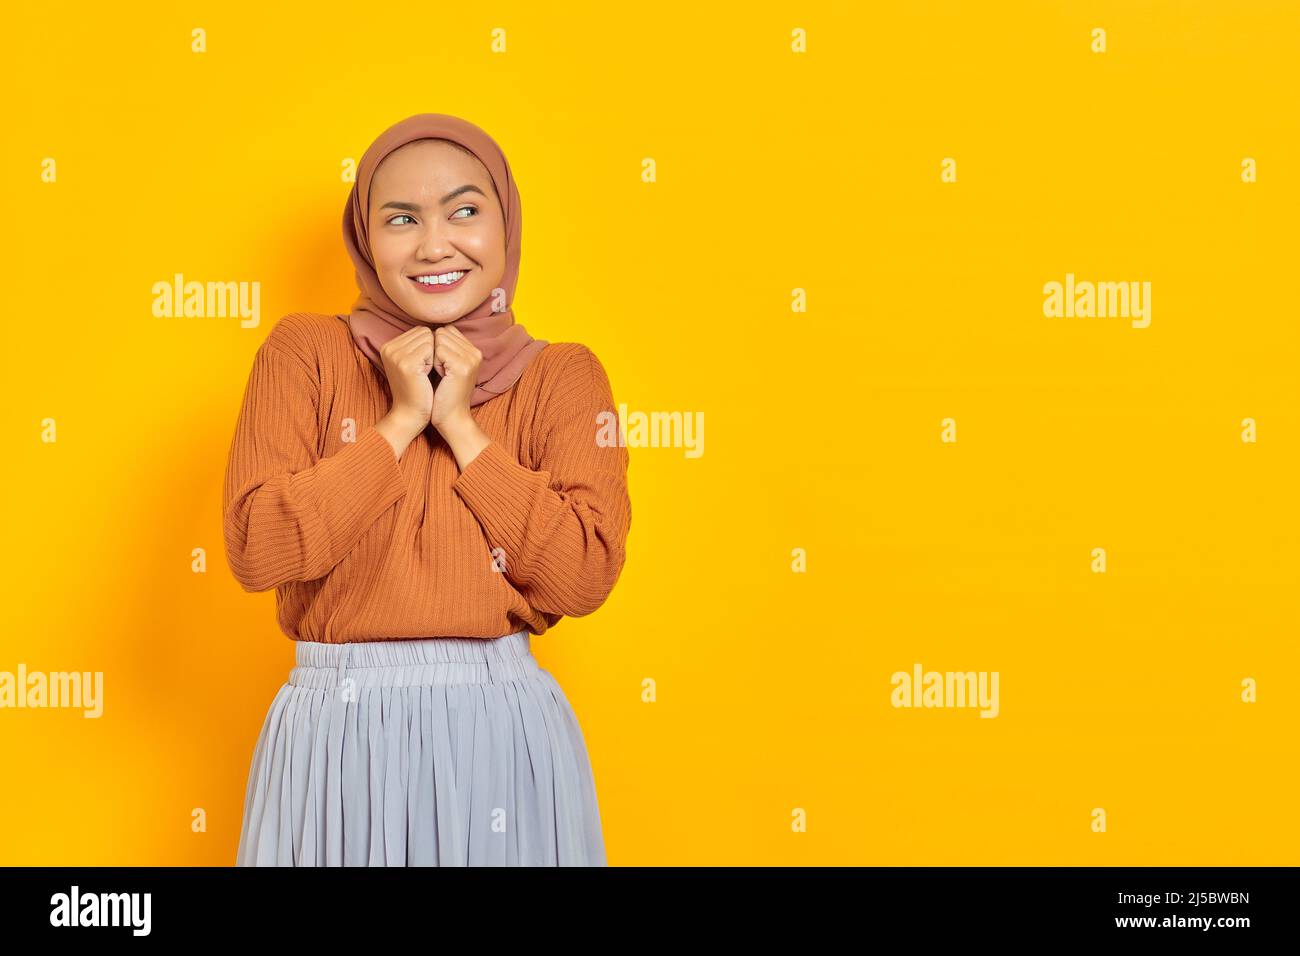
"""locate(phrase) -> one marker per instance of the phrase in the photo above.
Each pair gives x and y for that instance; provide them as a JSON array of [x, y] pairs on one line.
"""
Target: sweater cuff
[[353, 487], [501, 492]]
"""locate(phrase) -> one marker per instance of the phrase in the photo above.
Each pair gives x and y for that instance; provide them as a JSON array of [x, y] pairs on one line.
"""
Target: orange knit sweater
[[363, 547]]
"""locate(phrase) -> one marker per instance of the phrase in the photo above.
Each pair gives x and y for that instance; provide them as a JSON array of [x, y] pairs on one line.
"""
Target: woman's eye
[[463, 209], [399, 216]]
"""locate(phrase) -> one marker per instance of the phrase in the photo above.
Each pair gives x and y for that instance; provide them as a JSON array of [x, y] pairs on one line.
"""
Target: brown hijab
[[506, 346]]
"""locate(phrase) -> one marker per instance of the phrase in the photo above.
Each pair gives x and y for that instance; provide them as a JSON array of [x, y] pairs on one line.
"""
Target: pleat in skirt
[[440, 751]]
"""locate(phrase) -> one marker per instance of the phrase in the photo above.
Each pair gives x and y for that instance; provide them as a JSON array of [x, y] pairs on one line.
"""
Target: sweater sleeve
[[562, 528], [288, 514]]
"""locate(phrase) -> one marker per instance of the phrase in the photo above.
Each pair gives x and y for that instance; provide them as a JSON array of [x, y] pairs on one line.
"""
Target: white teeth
[[447, 279]]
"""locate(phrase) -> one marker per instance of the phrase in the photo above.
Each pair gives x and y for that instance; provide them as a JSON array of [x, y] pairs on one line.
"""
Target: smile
[[439, 283]]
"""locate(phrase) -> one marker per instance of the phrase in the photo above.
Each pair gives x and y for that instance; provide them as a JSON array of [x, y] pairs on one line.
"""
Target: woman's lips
[[440, 286]]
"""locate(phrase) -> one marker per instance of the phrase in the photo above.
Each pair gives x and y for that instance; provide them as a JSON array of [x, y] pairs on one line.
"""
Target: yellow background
[[776, 171]]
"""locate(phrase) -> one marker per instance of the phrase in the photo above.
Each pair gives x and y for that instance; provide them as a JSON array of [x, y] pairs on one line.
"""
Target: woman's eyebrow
[[415, 207]]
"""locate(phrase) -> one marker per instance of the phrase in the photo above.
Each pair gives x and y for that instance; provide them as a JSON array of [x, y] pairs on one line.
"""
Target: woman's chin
[[430, 315]]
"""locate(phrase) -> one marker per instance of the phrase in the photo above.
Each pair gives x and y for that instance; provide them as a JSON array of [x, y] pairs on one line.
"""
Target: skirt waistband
[[400, 663]]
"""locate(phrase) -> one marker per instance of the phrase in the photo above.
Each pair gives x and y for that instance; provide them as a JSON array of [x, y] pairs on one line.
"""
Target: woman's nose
[[433, 242]]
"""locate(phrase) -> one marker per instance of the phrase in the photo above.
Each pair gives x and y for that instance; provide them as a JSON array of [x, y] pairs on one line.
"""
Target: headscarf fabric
[[506, 346]]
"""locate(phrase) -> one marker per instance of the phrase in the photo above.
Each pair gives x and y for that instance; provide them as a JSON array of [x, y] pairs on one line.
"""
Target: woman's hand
[[457, 360], [407, 359]]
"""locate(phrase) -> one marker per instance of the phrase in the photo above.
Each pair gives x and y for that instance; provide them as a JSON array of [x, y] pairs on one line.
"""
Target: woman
[[418, 534]]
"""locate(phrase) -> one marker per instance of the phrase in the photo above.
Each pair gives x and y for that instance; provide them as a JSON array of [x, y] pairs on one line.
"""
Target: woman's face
[[433, 211]]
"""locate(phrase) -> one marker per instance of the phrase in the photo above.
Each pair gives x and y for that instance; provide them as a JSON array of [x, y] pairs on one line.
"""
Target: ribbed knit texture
[[362, 547]]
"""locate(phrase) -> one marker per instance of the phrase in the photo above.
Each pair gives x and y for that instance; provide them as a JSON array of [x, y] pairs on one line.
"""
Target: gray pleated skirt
[[442, 751]]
